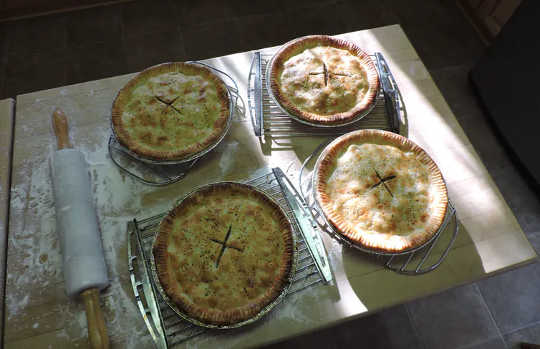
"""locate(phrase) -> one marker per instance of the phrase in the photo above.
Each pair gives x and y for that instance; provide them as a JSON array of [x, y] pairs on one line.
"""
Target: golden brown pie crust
[[381, 240], [298, 46], [195, 119], [230, 286]]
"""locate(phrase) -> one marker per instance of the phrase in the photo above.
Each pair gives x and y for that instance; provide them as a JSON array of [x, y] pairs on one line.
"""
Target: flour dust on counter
[[36, 251], [114, 191], [35, 244]]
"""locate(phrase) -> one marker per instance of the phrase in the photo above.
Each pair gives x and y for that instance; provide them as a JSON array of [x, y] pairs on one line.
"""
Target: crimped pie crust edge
[[325, 166], [123, 97]]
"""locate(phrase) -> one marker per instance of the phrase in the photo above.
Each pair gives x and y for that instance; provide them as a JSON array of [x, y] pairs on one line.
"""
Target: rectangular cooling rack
[[268, 119], [166, 327]]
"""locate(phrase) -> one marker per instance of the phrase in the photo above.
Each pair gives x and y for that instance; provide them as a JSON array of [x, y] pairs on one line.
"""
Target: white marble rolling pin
[[85, 272]]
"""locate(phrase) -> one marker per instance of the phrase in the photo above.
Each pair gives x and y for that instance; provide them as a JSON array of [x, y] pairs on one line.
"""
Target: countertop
[[6, 137]]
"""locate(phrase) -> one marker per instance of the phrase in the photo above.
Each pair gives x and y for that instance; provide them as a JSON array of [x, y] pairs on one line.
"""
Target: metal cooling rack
[[165, 326], [416, 261], [269, 119], [160, 173]]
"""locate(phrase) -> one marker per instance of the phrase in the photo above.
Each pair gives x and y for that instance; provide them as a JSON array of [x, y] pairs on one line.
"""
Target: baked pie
[[224, 253], [380, 190], [171, 111], [323, 80]]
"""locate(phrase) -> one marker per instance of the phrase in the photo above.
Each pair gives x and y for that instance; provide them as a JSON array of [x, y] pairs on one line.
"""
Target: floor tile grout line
[[532, 324], [414, 326], [484, 341], [489, 312], [451, 66], [179, 28], [181, 36], [236, 18]]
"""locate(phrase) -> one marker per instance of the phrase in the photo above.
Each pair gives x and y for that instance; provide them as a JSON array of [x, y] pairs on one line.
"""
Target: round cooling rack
[[307, 184], [162, 175]]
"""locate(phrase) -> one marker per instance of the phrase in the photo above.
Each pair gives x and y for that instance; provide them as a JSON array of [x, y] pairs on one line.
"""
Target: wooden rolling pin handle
[[97, 332], [60, 125]]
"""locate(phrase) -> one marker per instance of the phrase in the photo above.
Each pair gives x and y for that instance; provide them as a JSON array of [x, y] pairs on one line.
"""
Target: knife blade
[[307, 226], [388, 91]]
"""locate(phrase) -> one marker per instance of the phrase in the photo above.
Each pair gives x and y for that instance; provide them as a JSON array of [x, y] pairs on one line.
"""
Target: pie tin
[[263, 311], [195, 156], [341, 237], [359, 117]]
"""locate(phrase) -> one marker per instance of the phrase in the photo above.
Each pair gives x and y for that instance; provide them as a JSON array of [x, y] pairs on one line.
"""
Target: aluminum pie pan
[[265, 310], [342, 238], [359, 117], [195, 156]]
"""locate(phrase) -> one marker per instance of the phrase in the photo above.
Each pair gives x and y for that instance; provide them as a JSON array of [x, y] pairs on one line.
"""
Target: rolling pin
[[85, 272]]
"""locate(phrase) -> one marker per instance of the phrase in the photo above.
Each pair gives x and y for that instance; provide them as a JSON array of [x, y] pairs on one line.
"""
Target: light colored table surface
[[6, 133], [39, 315]]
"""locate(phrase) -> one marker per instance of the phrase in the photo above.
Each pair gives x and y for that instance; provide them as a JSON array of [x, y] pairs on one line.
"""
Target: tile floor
[[55, 50]]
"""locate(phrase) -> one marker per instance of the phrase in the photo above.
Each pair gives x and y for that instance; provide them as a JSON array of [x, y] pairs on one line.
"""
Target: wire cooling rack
[[165, 326], [417, 261], [269, 119], [160, 173]]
